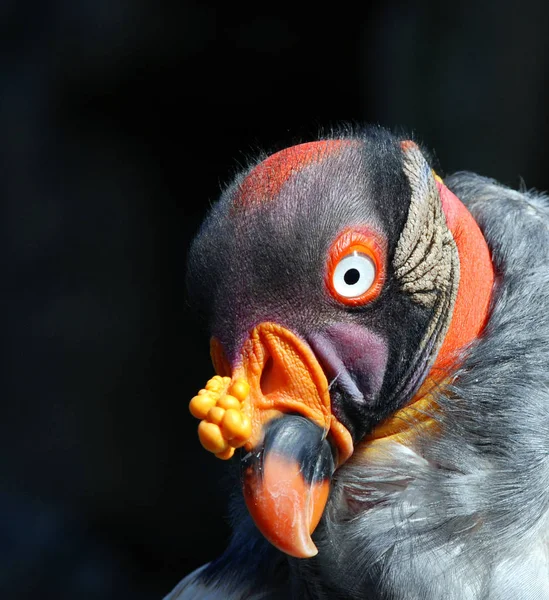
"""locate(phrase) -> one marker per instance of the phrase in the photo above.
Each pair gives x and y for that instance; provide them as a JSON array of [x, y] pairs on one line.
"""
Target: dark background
[[119, 123]]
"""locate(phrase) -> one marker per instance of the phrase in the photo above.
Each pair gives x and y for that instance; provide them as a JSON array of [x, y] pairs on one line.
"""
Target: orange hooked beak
[[292, 443]]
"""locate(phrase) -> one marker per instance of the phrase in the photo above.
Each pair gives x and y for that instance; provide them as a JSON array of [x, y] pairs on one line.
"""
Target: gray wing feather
[[193, 587]]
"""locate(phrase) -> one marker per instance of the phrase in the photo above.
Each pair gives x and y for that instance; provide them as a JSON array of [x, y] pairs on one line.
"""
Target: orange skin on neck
[[476, 282]]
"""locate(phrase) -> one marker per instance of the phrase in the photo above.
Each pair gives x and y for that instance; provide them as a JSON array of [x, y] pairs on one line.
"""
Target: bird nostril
[[275, 379], [266, 382]]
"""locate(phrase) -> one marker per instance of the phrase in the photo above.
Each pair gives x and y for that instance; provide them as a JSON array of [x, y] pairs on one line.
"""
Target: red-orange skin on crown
[[265, 181]]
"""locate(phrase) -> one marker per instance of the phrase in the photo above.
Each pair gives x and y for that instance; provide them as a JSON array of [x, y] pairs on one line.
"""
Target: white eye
[[354, 275]]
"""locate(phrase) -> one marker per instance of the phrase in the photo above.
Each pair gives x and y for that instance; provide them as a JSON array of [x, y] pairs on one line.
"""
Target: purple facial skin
[[355, 359]]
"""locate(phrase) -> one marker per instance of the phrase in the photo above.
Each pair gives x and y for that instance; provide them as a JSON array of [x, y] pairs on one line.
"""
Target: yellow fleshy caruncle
[[222, 407]]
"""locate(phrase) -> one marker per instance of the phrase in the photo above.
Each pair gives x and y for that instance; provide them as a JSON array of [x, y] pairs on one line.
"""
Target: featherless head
[[342, 280]]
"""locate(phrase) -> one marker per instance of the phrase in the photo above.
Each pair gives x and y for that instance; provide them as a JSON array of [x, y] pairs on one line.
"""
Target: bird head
[[339, 277]]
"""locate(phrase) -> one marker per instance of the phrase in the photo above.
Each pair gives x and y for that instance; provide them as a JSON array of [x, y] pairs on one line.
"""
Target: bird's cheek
[[355, 361]]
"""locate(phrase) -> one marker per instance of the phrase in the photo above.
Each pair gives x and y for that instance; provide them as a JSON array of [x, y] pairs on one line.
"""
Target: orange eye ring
[[360, 241]]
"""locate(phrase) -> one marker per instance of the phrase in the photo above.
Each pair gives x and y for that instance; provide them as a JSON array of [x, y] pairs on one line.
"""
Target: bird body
[[439, 433]]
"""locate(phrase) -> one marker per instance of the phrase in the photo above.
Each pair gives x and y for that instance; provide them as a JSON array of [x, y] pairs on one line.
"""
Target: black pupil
[[351, 276]]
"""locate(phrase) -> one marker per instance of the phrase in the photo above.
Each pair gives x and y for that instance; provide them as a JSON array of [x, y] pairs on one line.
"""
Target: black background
[[120, 122]]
